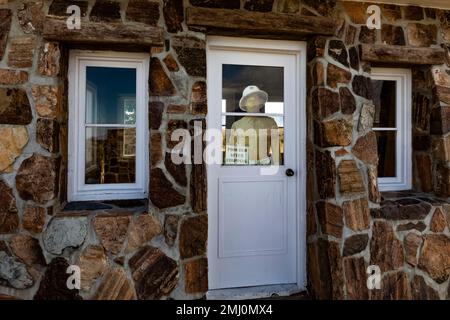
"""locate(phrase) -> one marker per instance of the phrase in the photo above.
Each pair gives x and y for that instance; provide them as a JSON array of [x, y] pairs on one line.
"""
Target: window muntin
[[392, 126], [108, 155]]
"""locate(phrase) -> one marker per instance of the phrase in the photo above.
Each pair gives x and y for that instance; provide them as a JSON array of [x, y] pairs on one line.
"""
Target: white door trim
[[299, 50]]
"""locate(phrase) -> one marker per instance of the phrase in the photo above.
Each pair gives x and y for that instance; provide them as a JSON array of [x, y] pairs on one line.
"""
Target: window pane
[[257, 90], [110, 155], [110, 95], [387, 153], [385, 99]]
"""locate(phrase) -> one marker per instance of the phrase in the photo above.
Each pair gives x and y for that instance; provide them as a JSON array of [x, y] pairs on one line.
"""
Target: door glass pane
[[387, 153], [110, 95], [385, 99], [252, 115], [110, 155]]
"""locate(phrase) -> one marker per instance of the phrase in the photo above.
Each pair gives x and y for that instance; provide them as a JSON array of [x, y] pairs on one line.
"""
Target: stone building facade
[[157, 248]]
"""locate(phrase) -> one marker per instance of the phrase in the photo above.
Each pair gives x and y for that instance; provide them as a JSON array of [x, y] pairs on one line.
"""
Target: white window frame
[[78, 190], [403, 180]]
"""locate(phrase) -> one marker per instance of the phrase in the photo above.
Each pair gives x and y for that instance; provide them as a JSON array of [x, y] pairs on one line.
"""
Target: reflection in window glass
[[387, 154], [252, 115], [385, 103]]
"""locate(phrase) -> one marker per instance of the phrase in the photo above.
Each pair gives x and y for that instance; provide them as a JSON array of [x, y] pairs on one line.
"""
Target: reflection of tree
[[129, 111]]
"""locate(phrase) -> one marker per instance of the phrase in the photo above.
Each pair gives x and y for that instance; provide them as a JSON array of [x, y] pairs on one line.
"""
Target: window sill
[[110, 206]]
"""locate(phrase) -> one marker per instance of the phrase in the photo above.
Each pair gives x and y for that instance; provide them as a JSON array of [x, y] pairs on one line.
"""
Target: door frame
[[298, 49]]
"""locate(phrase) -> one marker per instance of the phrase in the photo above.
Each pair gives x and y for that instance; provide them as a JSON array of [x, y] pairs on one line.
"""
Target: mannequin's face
[[254, 103]]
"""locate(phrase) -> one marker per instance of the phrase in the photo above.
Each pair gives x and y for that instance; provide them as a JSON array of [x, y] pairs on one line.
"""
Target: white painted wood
[[257, 229], [403, 180], [77, 189]]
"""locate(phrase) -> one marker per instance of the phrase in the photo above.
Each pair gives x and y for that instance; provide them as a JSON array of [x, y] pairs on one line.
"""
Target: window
[[392, 125], [108, 130]]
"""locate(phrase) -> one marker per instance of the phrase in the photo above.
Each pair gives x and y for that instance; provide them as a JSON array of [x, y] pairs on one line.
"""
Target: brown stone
[[171, 63], [162, 193], [413, 13], [341, 152], [155, 148], [325, 102], [316, 47], [366, 148], [13, 77], [93, 264], [48, 63], [5, 26], [191, 54], [37, 179], [143, 229], [336, 75], [330, 218], [391, 12], [173, 125], [324, 8], [424, 169], [160, 83], [177, 171], [362, 86], [419, 226], [356, 11], [34, 219], [53, 285], [196, 276], [430, 13], [412, 243], [386, 250], [421, 107], [331, 271], [338, 51], [47, 134], [193, 236], [154, 274], [21, 52], [438, 222], [356, 278], [350, 178], [31, 16], [374, 191], [318, 73], [177, 109], [333, 133], [403, 209], [9, 219], [156, 110], [225, 4], [105, 11], [27, 249], [171, 229], [173, 15], [46, 100], [58, 8], [115, 286], [12, 142], [288, 6], [440, 120], [14, 107], [435, 257], [325, 174], [392, 35], [112, 231], [198, 98], [143, 11], [442, 178], [350, 35], [198, 188], [355, 244], [421, 291], [367, 35], [357, 214], [259, 5], [394, 286], [421, 142], [354, 58], [421, 35]]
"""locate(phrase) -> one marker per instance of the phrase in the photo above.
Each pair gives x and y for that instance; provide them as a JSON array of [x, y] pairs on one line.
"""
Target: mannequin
[[252, 101]]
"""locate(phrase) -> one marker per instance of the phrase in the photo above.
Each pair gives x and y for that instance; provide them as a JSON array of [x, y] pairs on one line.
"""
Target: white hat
[[251, 91]]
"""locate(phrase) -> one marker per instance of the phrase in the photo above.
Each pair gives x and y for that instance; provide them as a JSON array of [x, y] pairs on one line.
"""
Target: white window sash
[[78, 190], [403, 128]]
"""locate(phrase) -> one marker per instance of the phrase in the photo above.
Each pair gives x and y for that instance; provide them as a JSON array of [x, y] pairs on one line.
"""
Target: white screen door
[[256, 193]]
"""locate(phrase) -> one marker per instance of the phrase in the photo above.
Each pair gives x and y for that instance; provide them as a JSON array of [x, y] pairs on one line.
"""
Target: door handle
[[290, 172]]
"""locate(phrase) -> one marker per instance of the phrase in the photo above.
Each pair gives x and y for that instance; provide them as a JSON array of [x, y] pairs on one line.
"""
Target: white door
[[256, 194]]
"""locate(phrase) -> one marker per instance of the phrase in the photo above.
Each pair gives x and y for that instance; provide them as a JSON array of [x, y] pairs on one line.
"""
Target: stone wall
[[157, 250]]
